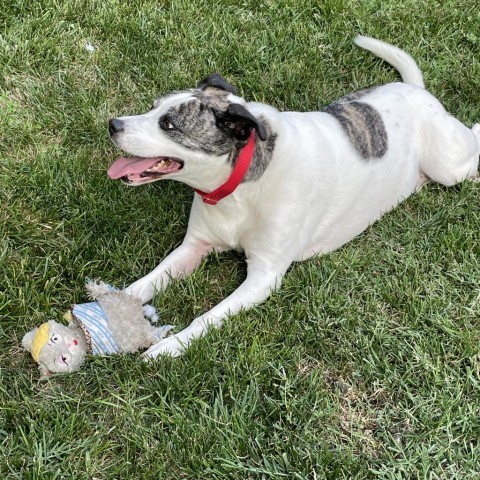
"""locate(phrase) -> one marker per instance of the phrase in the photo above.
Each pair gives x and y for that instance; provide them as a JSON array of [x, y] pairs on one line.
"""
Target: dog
[[286, 186]]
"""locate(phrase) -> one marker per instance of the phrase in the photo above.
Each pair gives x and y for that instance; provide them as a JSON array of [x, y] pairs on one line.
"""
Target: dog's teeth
[[156, 167], [159, 166]]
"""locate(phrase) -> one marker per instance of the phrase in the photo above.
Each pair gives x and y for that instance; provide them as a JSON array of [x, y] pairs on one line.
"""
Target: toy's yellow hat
[[39, 341]]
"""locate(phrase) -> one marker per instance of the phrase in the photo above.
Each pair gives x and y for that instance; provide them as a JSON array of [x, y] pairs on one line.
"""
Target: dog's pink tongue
[[124, 166]]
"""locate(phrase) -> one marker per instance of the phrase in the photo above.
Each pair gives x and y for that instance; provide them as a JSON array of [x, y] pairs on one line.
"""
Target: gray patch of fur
[[362, 124], [195, 123], [262, 155], [196, 129], [355, 95], [126, 320], [129, 328]]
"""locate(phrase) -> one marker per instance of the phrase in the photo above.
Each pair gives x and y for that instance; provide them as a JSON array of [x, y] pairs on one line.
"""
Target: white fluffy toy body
[[115, 323]]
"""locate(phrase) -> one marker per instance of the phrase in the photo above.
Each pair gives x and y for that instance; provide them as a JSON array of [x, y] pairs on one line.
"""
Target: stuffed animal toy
[[116, 322]]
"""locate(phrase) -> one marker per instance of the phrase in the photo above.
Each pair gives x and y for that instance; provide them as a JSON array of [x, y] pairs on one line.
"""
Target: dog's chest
[[224, 225]]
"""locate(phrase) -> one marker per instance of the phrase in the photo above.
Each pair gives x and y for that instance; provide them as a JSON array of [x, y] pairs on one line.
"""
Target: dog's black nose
[[115, 125]]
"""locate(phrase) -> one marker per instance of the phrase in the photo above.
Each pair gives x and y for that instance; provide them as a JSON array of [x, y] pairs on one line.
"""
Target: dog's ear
[[239, 122], [217, 81]]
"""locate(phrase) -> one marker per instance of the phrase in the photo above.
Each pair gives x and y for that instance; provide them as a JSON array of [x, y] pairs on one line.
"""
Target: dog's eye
[[54, 338], [165, 124]]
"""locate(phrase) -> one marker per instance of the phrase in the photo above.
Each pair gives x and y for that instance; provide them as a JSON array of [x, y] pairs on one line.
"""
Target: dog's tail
[[396, 57]]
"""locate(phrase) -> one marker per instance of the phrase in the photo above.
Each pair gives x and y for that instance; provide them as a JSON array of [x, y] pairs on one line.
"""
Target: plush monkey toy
[[116, 322]]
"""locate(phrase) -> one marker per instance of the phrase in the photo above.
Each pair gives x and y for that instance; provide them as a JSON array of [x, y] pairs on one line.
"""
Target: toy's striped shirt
[[95, 321]]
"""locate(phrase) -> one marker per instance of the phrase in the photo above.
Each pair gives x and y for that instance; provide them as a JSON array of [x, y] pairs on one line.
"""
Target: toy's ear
[[28, 339]]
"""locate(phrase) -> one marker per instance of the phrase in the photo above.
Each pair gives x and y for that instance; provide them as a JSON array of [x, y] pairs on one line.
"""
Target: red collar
[[238, 173]]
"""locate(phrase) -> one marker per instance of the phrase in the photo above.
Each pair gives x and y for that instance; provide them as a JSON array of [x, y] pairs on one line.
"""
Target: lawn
[[365, 364]]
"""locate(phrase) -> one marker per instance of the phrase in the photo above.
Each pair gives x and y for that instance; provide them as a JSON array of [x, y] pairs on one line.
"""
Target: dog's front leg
[[255, 289], [182, 261]]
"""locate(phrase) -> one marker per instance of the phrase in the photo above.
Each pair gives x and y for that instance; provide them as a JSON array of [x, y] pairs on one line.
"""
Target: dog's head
[[187, 135]]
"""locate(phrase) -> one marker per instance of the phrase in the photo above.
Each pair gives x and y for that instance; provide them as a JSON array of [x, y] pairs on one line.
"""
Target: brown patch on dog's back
[[362, 124]]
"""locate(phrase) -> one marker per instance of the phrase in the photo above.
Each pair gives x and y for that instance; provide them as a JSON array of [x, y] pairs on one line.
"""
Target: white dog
[[285, 186]]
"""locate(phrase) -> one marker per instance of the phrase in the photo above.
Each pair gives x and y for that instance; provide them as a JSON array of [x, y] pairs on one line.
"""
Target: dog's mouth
[[138, 170]]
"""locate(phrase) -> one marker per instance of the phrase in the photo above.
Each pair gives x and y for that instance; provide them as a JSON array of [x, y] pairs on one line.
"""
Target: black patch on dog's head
[[239, 122], [209, 123], [195, 126]]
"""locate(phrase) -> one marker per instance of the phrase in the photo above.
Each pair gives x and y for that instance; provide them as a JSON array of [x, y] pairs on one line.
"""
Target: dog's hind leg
[[476, 132], [451, 151], [422, 180]]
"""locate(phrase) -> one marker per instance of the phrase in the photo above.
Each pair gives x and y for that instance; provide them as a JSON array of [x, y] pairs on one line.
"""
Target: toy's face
[[56, 348]]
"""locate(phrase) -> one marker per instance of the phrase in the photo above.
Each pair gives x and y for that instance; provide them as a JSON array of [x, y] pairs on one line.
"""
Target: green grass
[[364, 364]]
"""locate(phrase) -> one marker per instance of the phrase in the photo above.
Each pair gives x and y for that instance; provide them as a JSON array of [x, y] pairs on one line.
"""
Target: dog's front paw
[[168, 346], [141, 289]]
